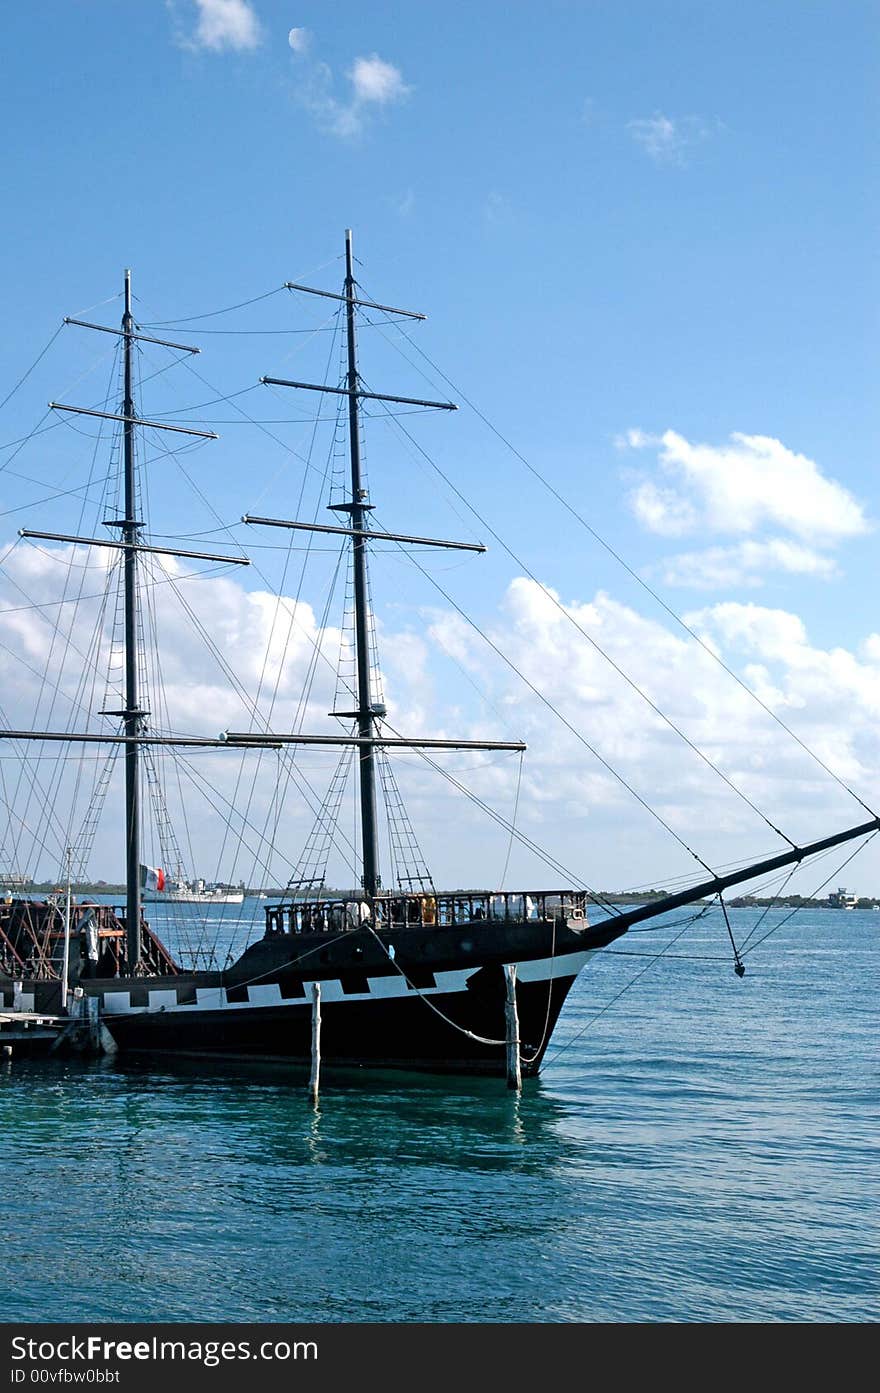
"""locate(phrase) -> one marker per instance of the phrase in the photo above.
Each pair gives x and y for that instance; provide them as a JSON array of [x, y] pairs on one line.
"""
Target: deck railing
[[424, 911]]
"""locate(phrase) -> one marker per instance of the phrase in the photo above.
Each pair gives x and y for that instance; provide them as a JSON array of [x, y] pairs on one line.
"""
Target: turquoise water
[[704, 1150]]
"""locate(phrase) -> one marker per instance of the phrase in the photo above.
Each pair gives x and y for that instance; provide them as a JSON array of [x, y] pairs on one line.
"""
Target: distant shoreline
[[602, 897]]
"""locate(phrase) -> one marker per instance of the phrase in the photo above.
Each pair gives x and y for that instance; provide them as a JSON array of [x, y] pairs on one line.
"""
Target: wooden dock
[[29, 1034], [36, 1035]]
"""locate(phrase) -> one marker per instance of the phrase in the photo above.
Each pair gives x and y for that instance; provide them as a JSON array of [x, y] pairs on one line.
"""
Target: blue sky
[[644, 234]]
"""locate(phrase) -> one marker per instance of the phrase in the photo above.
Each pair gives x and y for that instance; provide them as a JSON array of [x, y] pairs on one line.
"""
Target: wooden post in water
[[93, 1024], [65, 969], [511, 1021], [314, 1079]]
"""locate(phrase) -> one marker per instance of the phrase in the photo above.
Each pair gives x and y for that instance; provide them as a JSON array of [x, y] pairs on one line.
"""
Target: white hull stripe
[[543, 969], [380, 989]]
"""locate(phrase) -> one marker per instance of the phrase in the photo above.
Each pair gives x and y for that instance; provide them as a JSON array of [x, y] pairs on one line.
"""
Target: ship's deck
[[311, 915]]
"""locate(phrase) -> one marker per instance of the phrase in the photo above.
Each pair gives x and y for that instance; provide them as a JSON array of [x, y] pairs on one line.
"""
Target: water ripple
[[704, 1152]]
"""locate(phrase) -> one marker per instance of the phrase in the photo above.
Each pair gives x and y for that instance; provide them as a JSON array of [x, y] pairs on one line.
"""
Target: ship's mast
[[129, 543], [369, 713], [358, 509], [369, 738], [132, 715]]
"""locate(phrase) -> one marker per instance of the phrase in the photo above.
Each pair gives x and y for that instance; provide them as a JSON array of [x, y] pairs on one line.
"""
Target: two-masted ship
[[406, 976]]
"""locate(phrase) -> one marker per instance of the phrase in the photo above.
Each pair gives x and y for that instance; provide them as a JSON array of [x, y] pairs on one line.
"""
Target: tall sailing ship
[[408, 975]]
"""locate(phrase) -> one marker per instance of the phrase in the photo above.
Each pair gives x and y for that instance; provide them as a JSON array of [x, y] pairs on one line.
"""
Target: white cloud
[[841, 689], [315, 93], [374, 80], [738, 487], [656, 134], [374, 83], [226, 24], [569, 802], [666, 139], [831, 698], [746, 564], [198, 697], [769, 633], [635, 439], [664, 511]]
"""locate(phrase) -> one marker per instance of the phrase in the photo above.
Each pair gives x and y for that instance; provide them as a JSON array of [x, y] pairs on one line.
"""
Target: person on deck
[[88, 942]]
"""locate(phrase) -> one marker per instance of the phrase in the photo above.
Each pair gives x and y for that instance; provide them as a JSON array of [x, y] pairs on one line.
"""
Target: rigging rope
[[480, 1039], [519, 774], [607, 1007], [546, 591], [667, 608], [798, 908], [64, 637], [774, 900], [210, 314], [664, 951], [292, 611], [521, 837], [322, 655], [542, 697], [737, 960], [26, 375]]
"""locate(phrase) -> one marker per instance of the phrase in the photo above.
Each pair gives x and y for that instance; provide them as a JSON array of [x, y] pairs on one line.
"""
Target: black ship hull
[[426, 999], [401, 1033], [421, 998]]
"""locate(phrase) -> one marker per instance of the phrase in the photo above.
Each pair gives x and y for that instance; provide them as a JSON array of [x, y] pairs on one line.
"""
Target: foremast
[[130, 526]]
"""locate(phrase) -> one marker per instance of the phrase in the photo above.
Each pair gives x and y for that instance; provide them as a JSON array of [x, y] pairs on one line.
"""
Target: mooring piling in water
[[511, 1021], [93, 1023], [315, 1076], [81, 1031]]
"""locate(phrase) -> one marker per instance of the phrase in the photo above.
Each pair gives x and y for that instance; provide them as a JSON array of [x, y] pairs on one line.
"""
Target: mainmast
[[369, 712], [358, 509], [132, 714]]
